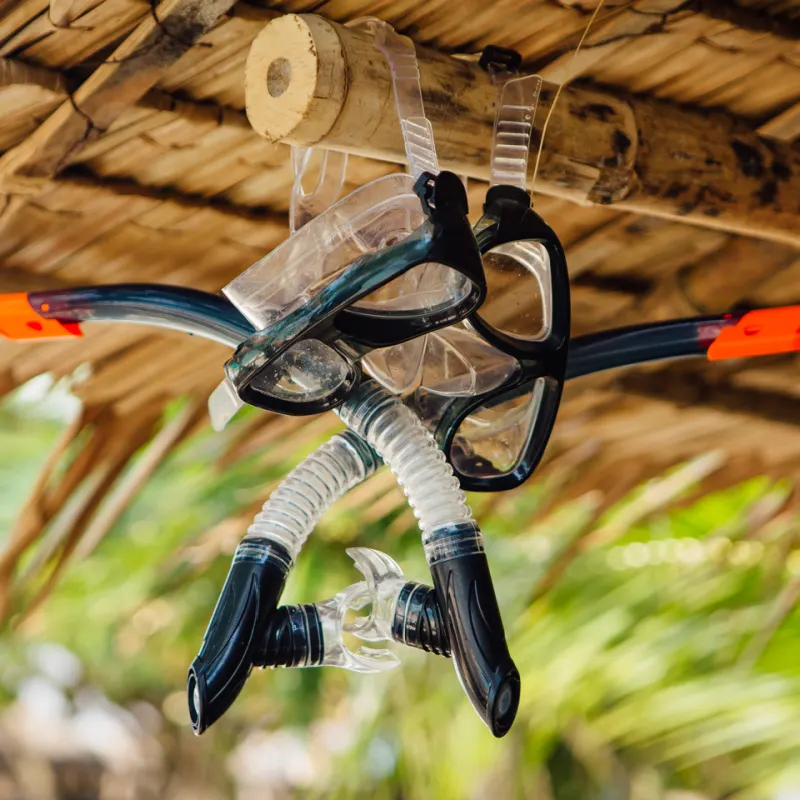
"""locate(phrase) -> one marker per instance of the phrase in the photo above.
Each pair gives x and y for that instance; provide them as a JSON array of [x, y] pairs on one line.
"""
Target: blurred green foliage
[[654, 662]]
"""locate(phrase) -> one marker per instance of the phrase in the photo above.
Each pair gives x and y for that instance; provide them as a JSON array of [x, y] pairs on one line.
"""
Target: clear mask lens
[[493, 439], [306, 372], [459, 363], [519, 290], [426, 287]]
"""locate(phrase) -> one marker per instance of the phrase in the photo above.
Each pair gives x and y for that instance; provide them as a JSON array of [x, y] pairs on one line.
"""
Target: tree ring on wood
[[295, 79]]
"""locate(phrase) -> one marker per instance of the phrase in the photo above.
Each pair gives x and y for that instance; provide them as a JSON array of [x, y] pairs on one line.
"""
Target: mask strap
[[420, 149], [401, 56], [516, 98], [304, 206]]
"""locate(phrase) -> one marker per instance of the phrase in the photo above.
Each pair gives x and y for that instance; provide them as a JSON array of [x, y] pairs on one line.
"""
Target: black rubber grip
[[418, 620], [293, 638], [469, 607], [236, 633]]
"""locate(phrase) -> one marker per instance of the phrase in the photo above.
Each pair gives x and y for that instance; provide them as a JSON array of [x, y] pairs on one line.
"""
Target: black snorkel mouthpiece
[[236, 637], [468, 606]]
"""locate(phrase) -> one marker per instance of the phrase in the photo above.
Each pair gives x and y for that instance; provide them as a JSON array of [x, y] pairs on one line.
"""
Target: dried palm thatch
[[127, 156]]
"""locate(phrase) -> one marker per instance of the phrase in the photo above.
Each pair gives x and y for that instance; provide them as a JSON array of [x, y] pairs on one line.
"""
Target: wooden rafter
[[676, 385], [131, 71]]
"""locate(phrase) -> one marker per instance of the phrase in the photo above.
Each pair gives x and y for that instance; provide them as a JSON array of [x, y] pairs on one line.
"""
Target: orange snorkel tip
[[20, 321]]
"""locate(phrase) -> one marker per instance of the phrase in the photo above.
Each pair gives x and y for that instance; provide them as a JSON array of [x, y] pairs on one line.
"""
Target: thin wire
[[558, 93]]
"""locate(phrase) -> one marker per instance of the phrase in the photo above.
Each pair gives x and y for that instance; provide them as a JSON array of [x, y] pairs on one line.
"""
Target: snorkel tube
[[243, 620], [453, 546]]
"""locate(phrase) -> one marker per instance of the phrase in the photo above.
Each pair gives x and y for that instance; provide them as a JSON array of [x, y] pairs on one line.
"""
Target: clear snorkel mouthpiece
[[338, 616]]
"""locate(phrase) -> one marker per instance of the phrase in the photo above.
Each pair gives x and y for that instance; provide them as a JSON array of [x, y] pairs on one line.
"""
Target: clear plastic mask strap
[[304, 206], [513, 128], [401, 56], [223, 405]]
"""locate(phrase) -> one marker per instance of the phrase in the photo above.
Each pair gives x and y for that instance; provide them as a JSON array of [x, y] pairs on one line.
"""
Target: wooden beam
[[314, 82], [689, 388], [27, 95], [132, 70]]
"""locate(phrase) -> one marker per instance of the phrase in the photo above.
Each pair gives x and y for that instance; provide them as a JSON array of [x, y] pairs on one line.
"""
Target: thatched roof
[[129, 157]]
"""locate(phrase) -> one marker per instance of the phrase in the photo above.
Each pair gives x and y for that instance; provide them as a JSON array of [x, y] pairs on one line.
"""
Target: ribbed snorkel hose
[[310, 489], [453, 546], [241, 625], [398, 437]]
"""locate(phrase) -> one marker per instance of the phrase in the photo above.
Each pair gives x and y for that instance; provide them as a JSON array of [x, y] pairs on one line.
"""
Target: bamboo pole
[[310, 81]]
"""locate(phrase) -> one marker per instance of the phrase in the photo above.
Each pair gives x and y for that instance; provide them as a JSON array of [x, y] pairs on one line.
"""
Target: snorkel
[[243, 621], [290, 635], [453, 547]]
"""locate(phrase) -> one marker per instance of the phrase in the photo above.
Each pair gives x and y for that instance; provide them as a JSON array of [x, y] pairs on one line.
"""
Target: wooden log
[[310, 81]]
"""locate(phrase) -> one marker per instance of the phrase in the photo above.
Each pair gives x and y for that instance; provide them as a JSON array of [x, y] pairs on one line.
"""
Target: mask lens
[[519, 290], [492, 440], [461, 364], [426, 287], [398, 367], [308, 371]]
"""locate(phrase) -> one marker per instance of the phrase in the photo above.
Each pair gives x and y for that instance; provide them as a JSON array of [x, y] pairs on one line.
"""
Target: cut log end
[[295, 79]]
